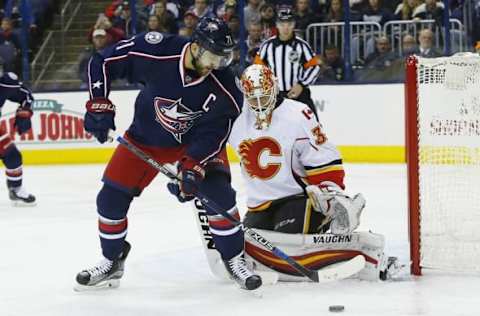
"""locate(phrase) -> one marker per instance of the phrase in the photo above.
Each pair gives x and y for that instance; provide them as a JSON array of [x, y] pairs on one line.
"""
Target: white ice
[[42, 249]]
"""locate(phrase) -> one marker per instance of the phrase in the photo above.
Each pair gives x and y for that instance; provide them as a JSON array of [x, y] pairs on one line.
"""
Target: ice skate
[[20, 197], [105, 274], [241, 273]]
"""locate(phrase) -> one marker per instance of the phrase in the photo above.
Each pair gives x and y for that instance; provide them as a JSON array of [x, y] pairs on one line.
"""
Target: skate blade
[[105, 285], [19, 203]]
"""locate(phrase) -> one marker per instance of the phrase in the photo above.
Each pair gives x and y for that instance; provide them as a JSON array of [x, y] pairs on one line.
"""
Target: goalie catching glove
[[343, 211]]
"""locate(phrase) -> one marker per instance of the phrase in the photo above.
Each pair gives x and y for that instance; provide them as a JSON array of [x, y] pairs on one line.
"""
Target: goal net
[[443, 157]]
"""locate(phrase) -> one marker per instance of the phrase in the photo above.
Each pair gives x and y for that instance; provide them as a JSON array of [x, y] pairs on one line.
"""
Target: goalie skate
[[241, 273], [20, 197], [105, 274]]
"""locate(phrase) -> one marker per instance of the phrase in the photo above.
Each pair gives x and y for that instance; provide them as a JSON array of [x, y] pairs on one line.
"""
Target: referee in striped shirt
[[291, 60]]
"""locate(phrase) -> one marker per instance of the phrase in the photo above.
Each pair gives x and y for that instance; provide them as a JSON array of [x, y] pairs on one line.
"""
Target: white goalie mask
[[260, 89]]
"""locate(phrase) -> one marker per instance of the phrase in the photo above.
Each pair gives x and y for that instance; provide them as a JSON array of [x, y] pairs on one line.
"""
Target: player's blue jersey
[[173, 107], [13, 90]]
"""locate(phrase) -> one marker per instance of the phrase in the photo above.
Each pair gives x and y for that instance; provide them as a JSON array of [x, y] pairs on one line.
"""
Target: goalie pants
[[291, 215], [126, 176]]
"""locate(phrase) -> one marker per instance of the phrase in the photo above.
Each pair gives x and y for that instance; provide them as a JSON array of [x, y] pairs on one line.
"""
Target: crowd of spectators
[[181, 16], [37, 16]]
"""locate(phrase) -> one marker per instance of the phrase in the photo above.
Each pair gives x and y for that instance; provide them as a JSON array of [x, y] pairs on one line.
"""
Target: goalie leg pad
[[320, 250]]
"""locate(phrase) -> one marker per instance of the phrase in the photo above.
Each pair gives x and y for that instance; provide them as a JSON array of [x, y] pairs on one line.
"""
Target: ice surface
[[42, 249]]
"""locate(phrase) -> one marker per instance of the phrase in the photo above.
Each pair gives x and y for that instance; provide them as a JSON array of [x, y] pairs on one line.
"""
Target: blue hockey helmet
[[213, 35]]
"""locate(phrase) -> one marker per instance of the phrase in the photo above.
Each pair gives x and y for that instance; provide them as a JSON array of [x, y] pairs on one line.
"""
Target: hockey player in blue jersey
[[183, 114], [13, 90]]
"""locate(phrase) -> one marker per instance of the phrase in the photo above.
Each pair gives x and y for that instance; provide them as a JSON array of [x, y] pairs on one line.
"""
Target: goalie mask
[[260, 89]]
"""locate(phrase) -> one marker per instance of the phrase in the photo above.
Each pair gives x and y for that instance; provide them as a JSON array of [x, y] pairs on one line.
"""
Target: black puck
[[336, 308]]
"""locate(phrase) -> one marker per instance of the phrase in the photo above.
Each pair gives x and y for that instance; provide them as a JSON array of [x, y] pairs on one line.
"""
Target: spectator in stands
[[335, 14], [153, 24], [320, 9], [226, 9], [251, 13], [332, 66], [254, 40], [267, 20], [375, 12], [382, 57], [99, 41], [234, 26], [456, 9], [172, 7], [358, 5], [7, 35], [405, 9], [304, 16], [201, 8], [430, 10], [114, 34], [123, 20], [426, 49], [111, 10], [409, 45], [190, 20], [166, 18]]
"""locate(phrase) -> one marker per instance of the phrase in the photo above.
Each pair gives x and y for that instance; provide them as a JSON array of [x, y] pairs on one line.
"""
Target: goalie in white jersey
[[295, 190]]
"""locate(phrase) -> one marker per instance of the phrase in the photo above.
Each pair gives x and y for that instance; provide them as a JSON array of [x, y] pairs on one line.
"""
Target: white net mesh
[[449, 146]]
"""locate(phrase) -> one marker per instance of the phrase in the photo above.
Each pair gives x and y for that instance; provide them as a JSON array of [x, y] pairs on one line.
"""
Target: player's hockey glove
[[99, 118], [23, 119], [191, 174], [174, 188]]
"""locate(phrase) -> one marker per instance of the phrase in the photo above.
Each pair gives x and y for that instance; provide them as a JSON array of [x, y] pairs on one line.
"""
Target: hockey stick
[[311, 274]]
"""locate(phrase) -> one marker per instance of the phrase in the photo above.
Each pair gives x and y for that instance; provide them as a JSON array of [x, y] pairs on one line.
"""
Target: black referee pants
[[304, 97]]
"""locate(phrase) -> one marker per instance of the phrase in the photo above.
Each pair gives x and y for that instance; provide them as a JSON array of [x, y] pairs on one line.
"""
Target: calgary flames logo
[[251, 152]]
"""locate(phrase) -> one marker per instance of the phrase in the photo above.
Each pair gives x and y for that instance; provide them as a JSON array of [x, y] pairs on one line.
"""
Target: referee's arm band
[[315, 61], [258, 60]]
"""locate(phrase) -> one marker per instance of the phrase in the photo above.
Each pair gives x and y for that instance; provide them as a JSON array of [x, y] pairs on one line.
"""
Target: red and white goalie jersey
[[279, 161]]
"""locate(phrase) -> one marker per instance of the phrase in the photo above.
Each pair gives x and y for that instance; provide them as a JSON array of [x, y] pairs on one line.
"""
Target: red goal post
[[442, 124]]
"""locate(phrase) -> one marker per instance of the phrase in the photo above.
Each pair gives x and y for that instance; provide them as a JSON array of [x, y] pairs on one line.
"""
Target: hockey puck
[[336, 308]]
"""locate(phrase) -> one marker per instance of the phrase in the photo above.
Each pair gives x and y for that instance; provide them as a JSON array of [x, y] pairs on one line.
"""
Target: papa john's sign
[[52, 123]]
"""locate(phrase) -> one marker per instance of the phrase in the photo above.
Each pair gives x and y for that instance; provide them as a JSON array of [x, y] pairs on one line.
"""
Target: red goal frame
[[412, 154]]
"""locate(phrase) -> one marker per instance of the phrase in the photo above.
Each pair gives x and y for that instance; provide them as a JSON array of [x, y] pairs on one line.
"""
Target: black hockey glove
[[191, 175], [99, 119], [23, 120], [174, 188]]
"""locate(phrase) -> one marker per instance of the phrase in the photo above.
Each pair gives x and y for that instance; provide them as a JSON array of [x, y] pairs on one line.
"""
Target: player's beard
[[200, 69]]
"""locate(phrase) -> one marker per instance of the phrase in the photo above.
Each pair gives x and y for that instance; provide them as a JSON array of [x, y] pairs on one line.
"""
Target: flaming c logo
[[251, 151]]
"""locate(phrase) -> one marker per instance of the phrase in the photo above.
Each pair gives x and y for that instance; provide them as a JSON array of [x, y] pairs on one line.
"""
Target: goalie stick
[[352, 265]]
